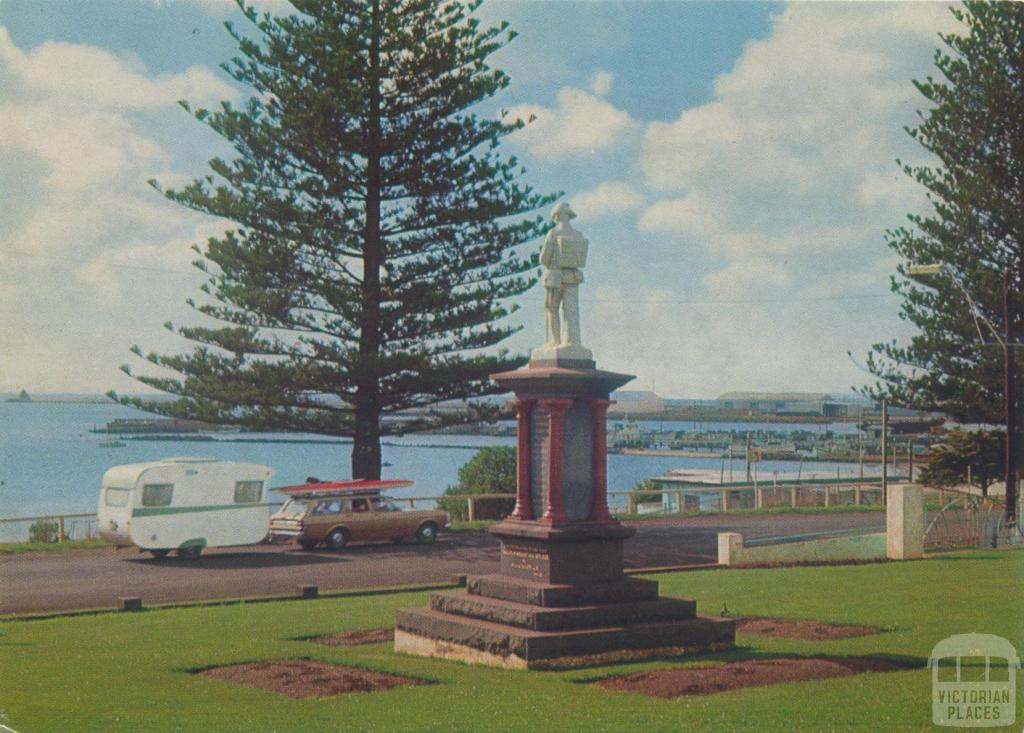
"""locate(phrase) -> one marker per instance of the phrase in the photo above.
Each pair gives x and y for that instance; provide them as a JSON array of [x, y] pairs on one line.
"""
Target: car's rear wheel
[[191, 552], [336, 539], [427, 533], [159, 554]]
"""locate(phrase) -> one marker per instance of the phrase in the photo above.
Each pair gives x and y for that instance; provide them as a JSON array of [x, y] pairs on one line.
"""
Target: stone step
[[435, 633], [540, 618], [549, 595]]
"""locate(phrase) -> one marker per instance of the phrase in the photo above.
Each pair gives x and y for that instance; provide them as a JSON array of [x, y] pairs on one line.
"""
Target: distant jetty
[[63, 399], [158, 426]]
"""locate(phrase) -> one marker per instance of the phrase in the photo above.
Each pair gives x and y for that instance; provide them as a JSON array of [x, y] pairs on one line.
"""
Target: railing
[[69, 526], [763, 496], [665, 501]]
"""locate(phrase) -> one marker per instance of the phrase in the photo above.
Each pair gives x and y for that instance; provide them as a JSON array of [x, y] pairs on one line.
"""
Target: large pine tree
[[377, 227], [975, 128]]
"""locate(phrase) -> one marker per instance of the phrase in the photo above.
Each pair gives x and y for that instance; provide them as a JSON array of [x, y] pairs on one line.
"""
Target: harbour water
[[51, 463]]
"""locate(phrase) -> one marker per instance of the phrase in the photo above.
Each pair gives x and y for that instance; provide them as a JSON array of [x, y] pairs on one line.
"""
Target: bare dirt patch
[[669, 683], [797, 629], [354, 638], [307, 678]]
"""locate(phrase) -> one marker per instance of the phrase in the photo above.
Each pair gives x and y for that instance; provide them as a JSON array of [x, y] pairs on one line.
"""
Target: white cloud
[[601, 82], [743, 275], [797, 148], [581, 124], [222, 8], [785, 181], [91, 259], [692, 213], [90, 77], [610, 197]]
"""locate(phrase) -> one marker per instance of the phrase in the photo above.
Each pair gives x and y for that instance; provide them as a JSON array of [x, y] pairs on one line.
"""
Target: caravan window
[[157, 494], [248, 492], [117, 497]]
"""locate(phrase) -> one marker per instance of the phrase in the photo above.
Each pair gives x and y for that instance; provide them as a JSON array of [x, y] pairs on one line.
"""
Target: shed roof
[[785, 396]]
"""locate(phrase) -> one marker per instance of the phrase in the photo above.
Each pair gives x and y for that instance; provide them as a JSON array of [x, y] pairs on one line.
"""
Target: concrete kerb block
[[130, 603], [308, 591], [730, 547], [904, 522]]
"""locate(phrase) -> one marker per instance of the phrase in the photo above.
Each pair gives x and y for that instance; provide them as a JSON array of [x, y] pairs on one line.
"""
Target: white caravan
[[184, 504]]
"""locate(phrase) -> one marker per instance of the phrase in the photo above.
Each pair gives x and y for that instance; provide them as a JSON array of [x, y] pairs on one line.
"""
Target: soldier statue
[[563, 257]]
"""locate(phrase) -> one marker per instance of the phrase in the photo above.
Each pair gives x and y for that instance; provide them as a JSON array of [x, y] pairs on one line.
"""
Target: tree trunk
[[366, 436], [366, 444]]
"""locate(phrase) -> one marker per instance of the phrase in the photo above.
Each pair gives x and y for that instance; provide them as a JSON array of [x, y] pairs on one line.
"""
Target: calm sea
[[51, 463]]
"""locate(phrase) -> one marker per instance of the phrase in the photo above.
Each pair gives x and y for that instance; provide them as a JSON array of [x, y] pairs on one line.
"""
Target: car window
[[328, 506], [294, 508], [157, 494], [360, 505]]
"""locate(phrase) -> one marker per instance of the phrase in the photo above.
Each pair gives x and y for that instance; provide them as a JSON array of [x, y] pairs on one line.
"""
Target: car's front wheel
[[427, 533], [336, 539]]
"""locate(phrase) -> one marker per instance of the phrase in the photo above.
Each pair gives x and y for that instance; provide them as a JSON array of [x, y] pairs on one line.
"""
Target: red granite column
[[599, 470], [524, 502], [554, 512]]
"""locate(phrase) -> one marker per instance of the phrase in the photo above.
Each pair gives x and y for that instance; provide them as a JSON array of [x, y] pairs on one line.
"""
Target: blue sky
[[733, 165]]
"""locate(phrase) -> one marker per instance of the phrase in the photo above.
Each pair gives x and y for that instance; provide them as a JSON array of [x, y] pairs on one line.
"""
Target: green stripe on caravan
[[152, 511]]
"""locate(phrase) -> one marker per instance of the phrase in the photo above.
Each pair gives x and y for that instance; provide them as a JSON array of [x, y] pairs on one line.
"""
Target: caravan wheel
[[159, 554], [191, 552]]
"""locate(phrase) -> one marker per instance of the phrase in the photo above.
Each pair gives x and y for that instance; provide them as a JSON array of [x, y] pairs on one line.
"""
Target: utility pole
[[748, 457], [1010, 398], [860, 440], [885, 441]]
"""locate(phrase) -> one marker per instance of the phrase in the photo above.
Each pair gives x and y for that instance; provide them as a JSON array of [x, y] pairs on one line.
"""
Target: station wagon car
[[337, 513]]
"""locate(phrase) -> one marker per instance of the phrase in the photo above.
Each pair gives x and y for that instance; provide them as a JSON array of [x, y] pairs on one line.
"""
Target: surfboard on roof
[[344, 487]]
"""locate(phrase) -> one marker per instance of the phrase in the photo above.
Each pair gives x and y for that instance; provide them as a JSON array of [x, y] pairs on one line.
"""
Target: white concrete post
[[730, 548], [904, 522]]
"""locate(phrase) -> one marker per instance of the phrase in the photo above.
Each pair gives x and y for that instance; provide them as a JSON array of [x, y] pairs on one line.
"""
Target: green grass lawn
[[16, 548], [131, 672]]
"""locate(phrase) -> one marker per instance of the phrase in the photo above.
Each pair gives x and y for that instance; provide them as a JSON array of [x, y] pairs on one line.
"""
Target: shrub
[[491, 470], [646, 492], [44, 530]]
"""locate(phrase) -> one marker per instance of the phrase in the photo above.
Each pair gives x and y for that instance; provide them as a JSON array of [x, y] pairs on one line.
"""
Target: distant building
[[784, 403], [636, 402]]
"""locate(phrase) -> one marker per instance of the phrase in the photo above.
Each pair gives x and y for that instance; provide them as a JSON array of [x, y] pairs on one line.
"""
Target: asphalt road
[[78, 579]]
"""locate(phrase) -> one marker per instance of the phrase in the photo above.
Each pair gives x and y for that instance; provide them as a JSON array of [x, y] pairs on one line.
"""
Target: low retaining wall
[[902, 540], [830, 549]]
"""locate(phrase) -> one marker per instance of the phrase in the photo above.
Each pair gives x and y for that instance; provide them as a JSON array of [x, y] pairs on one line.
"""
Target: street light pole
[[1010, 398]]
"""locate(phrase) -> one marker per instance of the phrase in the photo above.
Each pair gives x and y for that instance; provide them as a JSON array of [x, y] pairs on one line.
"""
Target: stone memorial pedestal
[[560, 598]]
